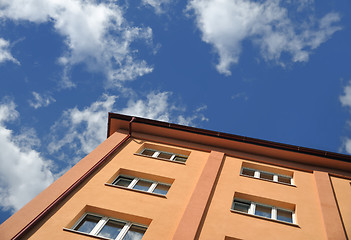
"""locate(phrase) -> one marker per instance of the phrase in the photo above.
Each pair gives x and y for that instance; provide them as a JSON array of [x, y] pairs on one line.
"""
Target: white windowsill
[[85, 234], [269, 219], [267, 180]]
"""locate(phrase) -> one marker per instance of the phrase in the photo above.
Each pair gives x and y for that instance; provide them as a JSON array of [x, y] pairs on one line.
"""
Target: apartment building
[[153, 180]]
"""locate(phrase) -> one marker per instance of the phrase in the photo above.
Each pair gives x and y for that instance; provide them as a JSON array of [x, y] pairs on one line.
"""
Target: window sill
[[266, 180], [85, 234], [264, 218], [162, 159], [136, 190]]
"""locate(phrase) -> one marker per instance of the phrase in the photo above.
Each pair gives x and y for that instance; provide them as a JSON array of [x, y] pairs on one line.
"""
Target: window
[[164, 155], [263, 210], [141, 184], [109, 228], [249, 172]]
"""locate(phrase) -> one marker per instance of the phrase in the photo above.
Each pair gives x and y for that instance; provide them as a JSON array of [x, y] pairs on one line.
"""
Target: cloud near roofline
[[79, 131], [345, 101], [17, 155]]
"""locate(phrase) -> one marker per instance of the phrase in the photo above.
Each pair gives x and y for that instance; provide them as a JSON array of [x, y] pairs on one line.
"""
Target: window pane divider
[[252, 208], [99, 226], [124, 231], [275, 178], [155, 155], [133, 183], [274, 213], [152, 187]]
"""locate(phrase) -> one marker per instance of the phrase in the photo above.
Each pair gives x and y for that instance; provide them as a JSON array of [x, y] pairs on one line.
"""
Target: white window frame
[[257, 174], [274, 216], [157, 153], [98, 227], [135, 180]]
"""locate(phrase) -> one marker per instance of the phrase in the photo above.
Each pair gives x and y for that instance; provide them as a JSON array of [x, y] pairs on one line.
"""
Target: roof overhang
[[311, 156]]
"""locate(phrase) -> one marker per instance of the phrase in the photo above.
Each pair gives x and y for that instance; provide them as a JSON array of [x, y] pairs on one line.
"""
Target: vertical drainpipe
[[73, 186]]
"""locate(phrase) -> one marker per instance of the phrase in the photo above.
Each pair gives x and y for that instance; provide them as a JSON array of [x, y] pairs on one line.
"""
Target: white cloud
[[23, 171], [241, 95], [156, 106], [158, 5], [346, 98], [83, 129], [225, 24], [95, 33], [78, 132], [301, 5], [5, 54], [159, 106], [346, 145], [40, 100]]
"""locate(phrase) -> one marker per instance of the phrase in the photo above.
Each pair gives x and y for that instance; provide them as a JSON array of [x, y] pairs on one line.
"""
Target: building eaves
[[231, 137]]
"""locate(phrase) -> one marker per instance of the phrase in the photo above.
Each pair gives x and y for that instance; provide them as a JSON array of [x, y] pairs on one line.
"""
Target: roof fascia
[[120, 121]]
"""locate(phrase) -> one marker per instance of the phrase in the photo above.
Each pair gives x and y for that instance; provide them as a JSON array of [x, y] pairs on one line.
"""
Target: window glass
[[161, 189], [135, 233], [241, 206], [165, 155], [263, 211], [111, 229], [87, 224], [180, 159], [284, 215], [271, 176], [248, 172], [142, 185], [283, 179], [122, 181], [267, 176], [148, 152]]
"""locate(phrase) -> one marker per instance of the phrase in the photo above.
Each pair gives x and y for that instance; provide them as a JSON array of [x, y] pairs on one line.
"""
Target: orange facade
[[161, 181]]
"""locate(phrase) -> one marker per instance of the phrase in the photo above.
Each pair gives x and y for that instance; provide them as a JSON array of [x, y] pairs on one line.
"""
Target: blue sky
[[274, 70]]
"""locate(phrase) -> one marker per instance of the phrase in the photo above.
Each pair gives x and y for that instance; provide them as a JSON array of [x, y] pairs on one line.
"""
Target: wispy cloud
[[23, 171], [225, 24], [241, 95], [160, 6], [159, 106], [346, 145], [96, 34], [79, 131], [40, 100], [5, 54], [345, 100], [155, 106]]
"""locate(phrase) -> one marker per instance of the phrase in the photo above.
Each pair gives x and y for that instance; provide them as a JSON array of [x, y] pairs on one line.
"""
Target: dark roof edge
[[265, 143]]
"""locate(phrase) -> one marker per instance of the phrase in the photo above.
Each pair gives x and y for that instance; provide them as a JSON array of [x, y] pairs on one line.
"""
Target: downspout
[[130, 126], [73, 186]]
